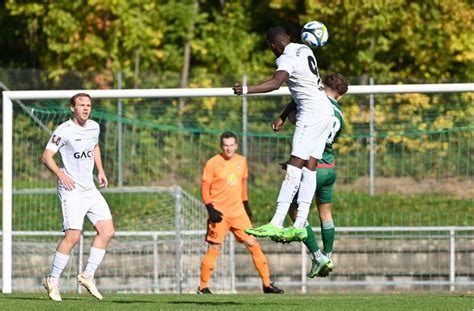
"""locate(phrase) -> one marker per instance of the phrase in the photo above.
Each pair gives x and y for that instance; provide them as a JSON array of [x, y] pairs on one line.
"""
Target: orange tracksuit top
[[224, 183]]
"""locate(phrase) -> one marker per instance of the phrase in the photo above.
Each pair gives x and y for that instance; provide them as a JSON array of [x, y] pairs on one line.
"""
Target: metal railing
[[449, 233]]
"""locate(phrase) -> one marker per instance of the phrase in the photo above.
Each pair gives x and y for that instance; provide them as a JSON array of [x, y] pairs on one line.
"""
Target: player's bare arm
[[49, 162], [103, 182], [277, 125], [273, 84]]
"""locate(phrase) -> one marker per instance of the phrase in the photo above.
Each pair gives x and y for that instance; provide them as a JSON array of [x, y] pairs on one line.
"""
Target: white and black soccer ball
[[314, 34]]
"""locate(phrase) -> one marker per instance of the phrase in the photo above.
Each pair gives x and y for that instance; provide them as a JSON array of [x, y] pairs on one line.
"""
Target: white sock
[[302, 215], [328, 255], [305, 196], [288, 189], [327, 224], [316, 256], [95, 258], [59, 263]]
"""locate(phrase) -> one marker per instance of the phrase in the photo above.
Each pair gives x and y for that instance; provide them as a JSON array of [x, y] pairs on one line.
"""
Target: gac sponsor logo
[[83, 155]]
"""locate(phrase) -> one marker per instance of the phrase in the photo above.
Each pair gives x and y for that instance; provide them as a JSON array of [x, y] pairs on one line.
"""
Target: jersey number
[[312, 65], [336, 126]]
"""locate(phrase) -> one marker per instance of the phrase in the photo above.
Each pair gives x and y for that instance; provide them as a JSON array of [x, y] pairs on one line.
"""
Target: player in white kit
[[297, 66], [77, 142]]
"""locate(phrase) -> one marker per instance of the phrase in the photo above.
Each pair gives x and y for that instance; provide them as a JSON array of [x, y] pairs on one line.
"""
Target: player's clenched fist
[[238, 89], [277, 125], [103, 182]]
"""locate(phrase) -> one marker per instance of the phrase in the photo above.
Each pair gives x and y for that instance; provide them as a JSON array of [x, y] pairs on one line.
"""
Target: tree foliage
[[391, 40], [396, 41]]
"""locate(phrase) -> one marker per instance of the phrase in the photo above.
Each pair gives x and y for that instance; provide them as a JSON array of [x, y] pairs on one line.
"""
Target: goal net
[[414, 170]]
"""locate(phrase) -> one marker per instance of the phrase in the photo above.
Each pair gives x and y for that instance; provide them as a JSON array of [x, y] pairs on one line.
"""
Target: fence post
[[303, 268], [372, 140], [156, 288], [452, 258], [232, 264], [80, 254], [120, 132], [244, 119], [177, 194]]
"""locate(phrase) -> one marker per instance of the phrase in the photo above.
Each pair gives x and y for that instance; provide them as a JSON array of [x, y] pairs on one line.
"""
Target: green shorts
[[326, 177]]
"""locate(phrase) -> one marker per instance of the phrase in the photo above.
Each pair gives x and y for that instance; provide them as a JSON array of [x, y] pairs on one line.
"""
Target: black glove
[[214, 215], [247, 209]]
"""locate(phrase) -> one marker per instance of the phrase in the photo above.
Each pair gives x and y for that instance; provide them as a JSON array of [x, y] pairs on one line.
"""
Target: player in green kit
[[335, 86]]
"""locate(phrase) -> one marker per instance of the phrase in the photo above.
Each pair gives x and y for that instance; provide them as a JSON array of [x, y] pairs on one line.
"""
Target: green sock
[[310, 241], [327, 234]]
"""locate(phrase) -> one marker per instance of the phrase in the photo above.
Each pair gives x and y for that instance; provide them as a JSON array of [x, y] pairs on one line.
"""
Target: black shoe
[[203, 291], [272, 289]]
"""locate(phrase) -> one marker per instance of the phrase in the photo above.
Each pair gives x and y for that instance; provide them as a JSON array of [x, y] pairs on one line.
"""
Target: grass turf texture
[[246, 302]]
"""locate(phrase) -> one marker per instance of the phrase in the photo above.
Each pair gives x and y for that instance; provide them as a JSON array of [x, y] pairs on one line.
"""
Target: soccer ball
[[314, 34]]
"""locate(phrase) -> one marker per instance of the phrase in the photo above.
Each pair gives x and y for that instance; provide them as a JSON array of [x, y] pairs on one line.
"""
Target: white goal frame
[[10, 96]]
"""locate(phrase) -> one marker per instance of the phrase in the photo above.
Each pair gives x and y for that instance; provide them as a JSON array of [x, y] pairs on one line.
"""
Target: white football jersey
[[76, 145], [311, 100]]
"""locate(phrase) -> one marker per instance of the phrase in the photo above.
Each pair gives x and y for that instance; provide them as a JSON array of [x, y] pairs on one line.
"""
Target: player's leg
[[310, 242], [61, 258], [289, 187], [324, 203], [319, 262], [100, 216], [311, 146], [238, 224], [73, 217], [105, 232], [261, 264], [215, 235], [306, 193], [328, 231], [207, 266]]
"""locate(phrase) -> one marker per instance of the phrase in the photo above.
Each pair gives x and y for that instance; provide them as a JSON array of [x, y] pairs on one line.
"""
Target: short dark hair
[[228, 134], [337, 82], [72, 101], [275, 33]]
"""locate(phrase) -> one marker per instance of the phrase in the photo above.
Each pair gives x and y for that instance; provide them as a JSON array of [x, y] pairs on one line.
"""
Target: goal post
[[8, 107]]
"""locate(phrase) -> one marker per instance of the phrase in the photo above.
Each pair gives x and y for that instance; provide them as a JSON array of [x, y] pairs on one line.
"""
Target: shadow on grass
[[212, 303], [40, 298], [131, 301], [180, 302]]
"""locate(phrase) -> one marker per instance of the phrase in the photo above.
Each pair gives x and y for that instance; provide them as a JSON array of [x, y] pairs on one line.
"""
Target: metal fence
[[369, 259]]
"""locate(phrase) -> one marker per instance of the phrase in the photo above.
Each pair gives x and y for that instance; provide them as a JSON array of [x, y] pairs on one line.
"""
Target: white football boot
[[89, 284], [53, 290]]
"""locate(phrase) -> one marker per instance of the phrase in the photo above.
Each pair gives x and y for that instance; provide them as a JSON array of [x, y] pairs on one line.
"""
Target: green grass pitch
[[359, 301]]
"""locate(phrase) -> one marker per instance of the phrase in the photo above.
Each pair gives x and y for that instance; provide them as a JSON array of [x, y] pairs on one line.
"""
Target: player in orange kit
[[224, 192]]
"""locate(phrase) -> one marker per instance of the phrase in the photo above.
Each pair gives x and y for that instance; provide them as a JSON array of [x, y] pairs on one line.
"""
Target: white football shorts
[[78, 204], [310, 140]]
